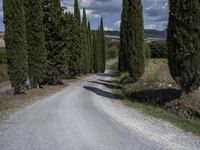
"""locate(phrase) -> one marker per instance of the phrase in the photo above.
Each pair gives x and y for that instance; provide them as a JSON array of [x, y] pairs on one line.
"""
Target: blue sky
[[155, 13]]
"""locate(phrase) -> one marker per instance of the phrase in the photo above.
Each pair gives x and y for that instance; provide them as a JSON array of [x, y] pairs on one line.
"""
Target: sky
[[155, 13]]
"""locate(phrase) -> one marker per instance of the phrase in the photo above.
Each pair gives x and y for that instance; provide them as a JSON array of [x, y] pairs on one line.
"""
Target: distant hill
[[155, 34], [148, 34]]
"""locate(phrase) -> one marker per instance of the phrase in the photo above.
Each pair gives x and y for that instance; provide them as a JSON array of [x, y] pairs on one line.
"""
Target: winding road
[[87, 116]]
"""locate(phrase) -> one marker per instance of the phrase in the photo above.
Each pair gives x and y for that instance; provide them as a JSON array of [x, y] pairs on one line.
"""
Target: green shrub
[[113, 43], [112, 52], [158, 49]]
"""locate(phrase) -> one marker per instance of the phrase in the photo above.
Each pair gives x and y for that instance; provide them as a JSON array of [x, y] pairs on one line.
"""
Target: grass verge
[[152, 92], [3, 73]]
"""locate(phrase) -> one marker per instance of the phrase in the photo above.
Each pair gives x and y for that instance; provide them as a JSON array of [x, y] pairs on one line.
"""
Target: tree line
[[46, 44], [183, 42]]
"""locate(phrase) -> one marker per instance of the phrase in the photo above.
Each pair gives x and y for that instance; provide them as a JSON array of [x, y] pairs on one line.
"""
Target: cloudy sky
[[155, 12]]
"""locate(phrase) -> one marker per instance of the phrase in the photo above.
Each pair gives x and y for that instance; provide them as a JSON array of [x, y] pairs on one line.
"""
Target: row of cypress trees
[[183, 42], [45, 44]]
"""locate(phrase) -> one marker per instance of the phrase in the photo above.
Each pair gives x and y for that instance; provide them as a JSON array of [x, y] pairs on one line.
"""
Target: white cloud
[[108, 29], [117, 24]]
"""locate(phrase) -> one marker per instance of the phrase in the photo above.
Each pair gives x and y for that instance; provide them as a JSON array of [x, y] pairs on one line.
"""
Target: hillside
[[148, 33]]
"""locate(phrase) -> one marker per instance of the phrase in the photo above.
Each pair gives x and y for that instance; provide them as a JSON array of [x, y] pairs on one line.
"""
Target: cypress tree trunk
[[16, 45], [135, 39], [122, 65], [184, 43], [37, 55], [103, 47]]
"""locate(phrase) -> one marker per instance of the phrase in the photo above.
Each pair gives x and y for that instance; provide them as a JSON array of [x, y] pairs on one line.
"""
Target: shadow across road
[[109, 74], [108, 85], [102, 93]]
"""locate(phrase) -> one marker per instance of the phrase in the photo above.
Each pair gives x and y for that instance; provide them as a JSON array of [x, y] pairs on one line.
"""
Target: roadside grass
[[188, 125], [113, 67], [3, 73], [150, 94]]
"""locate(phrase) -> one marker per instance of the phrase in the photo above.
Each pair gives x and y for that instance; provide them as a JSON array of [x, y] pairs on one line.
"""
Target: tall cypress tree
[[95, 54], [99, 50], [80, 34], [36, 41], [77, 12], [135, 39], [184, 43], [72, 48], [54, 42], [85, 43], [103, 47], [122, 65], [16, 45], [90, 49]]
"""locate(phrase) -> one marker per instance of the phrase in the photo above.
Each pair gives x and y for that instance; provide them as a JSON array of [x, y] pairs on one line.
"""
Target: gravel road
[[86, 116]]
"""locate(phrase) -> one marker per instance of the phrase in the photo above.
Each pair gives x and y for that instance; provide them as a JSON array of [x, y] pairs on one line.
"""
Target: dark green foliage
[[184, 43], [99, 50], [112, 52], [37, 55], [90, 57], [113, 43], [55, 44], [77, 12], [95, 54], [102, 46], [72, 48], [85, 52], [122, 64], [3, 56], [135, 38], [158, 49], [16, 45]]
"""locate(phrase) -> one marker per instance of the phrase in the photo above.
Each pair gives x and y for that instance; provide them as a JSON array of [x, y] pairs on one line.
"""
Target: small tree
[[16, 45], [184, 43]]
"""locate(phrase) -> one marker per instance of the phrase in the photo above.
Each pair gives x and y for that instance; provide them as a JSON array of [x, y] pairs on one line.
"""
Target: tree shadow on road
[[156, 97], [110, 74], [108, 85], [102, 93]]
